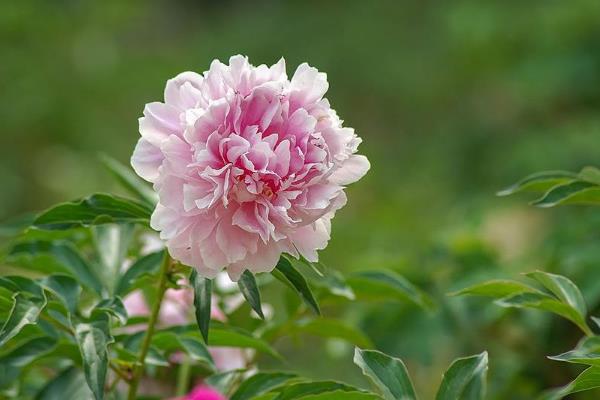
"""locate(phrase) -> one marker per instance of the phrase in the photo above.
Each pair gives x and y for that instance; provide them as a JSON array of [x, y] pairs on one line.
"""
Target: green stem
[[183, 377], [162, 287]]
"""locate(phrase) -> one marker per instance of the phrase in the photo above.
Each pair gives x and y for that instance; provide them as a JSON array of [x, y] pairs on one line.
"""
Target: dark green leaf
[[385, 286], [65, 288], [111, 242], [96, 209], [588, 379], [25, 311], [578, 192], [93, 339], [68, 385], [248, 287], [113, 306], [224, 382], [67, 256], [130, 181], [465, 379], [202, 302], [389, 374], [148, 264], [285, 272], [28, 352], [539, 182], [260, 383]]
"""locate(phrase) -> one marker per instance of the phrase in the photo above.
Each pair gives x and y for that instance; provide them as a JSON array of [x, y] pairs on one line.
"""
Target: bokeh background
[[454, 100]]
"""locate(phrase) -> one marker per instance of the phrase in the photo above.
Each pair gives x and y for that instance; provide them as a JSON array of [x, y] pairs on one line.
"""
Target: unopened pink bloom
[[247, 163]]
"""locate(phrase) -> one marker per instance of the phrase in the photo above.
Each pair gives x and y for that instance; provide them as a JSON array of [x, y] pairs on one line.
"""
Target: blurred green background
[[454, 100]]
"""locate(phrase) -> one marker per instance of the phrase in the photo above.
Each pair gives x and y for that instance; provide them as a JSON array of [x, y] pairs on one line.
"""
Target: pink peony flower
[[247, 165], [203, 392]]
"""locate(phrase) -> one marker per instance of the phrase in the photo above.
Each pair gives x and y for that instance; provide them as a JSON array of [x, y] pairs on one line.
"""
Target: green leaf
[[587, 380], [224, 382], [541, 301], [285, 272], [68, 385], [587, 352], [497, 288], [111, 242], [260, 383], [68, 256], [577, 192], [302, 389], [114, 306], [389, 374], [96, 209], [202, 302], [465, 379], [539, 182], [65, 288], [249, 288], [385, 286], [16, 225], [93, 339], [27, 352], [341, 395], [25, 311], [564, 289], [230, 337], [169, 342], [330, 328], [148, 264], [130, 181]]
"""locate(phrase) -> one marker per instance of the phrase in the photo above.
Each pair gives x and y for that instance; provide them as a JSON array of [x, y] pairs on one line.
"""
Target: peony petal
[[353, 169], [146, 160]]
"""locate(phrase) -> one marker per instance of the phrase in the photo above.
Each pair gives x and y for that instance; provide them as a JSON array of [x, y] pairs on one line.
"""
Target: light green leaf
[[302, 389], [130, 181], [341, 395], [224, 382], [25, 311], [148, 264], [545, 302], [260, 383], [93, 339], [285, 272], [389, 374], [587, 380], [169, 342], [68, 256], [590, 174], [68, 385], [565, 290], [96, 209], [202, 302], [465, 379], [587, 352], [249, 289], [539, 182], [496, 288], [577, 192], [329, 328], [230, 337], [65, 288], [386, 286]]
